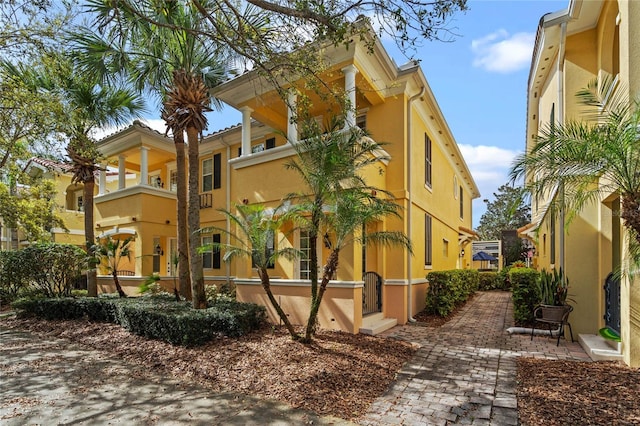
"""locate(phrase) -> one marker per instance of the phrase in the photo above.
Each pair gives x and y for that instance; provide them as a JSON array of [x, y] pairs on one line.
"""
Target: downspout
[[561, 51], [409, 182], [227, 206]]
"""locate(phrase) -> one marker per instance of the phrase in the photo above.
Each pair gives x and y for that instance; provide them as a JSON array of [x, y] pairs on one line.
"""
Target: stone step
[[377, 325], [598, 348]]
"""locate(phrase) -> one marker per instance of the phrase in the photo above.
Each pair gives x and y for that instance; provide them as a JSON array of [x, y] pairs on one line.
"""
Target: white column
[[144, 165], [246, 130], [292, 126], [122, 172], [350, 90], [102, 179]]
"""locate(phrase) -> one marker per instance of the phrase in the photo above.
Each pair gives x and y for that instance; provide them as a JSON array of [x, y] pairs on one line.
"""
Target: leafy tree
[[256, 225], [330, 164], [109, 253], [507, 211], [178, 67], [585, 160]]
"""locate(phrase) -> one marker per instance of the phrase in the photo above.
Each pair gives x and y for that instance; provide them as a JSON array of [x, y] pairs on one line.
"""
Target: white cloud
[[489, 166], [503, 53]]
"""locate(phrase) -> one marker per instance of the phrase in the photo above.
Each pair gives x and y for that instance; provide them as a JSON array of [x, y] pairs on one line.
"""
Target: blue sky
[[480, 82]]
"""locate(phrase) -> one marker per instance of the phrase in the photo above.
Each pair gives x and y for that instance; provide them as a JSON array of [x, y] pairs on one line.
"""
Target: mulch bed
[[552, 392]]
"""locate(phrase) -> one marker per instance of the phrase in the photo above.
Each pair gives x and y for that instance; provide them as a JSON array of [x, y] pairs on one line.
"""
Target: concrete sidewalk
[[465, 371], [49, 382]]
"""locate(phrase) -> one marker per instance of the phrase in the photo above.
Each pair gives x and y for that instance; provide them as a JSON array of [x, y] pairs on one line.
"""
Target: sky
[[480, 83]]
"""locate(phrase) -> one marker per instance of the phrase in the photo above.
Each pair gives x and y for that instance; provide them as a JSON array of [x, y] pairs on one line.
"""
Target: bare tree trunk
[[116, 281], [182, 222], [199, 298], [329, 269], [266, 285], [89, 235]]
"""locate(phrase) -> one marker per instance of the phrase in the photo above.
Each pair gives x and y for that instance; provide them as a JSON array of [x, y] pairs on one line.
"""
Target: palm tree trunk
[[116, 281], [329, 269], [266, 285], [89, 235], [631, 213], [183, 225], [199, 298]]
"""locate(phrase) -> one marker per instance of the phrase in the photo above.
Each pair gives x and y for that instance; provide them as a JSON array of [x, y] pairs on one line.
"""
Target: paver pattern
[[465, 371]]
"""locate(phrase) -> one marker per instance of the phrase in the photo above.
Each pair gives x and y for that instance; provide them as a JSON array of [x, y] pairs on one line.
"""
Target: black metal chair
[[553, 315]]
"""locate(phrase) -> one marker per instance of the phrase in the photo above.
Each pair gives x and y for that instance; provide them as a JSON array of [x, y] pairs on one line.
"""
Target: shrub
[[156, 317], [215, 295], [54, 268], [525, 294], [14, 274], [448, 289], [489, 281]]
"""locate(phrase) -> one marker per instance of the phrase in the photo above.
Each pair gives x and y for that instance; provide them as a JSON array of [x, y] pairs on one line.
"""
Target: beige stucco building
[[589, 40]]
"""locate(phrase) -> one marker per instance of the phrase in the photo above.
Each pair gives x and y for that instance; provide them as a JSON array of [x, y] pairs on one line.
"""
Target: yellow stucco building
[[590, 39], [426, 173]]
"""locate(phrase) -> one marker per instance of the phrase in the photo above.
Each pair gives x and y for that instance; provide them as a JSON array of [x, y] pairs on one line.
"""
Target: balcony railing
[[206, 201]]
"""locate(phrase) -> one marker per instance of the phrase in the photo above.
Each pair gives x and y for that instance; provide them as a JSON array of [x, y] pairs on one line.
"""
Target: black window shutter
[[216, 252], [271, 143], [217, 171]]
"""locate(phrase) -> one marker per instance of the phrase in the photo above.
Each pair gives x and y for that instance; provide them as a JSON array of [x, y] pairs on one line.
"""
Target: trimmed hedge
[[449, 289], [490, 281], [526, 294], [154, 317]]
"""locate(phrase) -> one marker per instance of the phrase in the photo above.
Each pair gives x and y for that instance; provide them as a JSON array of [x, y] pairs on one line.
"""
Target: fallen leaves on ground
[[553, 392], [339, 374]]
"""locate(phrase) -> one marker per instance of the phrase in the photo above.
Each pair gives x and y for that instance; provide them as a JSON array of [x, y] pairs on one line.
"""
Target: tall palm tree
[[338, 200], [255, 227], [87, 106], [590, 158], [181, 69]]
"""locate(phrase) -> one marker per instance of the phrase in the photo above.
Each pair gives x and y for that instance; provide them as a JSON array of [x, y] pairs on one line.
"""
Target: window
[[428, 254], [361, 121], [455, 187], [207, 256], [217, 171], [461, 204], [239, 151], [427, 160], [445, 248], [270, 246], [271, 143], [211, 257], [173, 180], [207, 175], [79, 201], [305, 248]]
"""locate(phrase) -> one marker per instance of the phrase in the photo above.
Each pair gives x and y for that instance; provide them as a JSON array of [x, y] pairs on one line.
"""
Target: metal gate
[[612, 302], [372, 293]]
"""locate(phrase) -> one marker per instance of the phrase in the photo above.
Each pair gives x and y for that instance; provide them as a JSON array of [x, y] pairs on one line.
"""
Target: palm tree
[[109, 253], [87, 106], [181, 69], [256, 227], [338, 200], [591, 158]]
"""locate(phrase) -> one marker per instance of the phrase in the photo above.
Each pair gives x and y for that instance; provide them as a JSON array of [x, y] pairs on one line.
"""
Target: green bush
[[155, 317], [525, 294], [449, 289], [54, 268], [14, 274], [490, 281]]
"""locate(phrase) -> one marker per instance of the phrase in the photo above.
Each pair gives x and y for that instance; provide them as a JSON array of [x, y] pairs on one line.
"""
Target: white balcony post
[[102, 179], [246, 130], [122, 172], [292, 126], [144, 165], [350, 90]]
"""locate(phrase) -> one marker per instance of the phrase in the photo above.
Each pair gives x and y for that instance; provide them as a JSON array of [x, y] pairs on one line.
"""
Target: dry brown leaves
[[339, 374], [552, 392]]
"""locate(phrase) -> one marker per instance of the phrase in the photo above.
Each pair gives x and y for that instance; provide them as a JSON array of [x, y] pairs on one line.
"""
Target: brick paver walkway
[[464, 371]]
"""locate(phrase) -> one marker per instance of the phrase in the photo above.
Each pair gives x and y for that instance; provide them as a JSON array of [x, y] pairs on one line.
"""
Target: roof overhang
[[466, 235], [117, 233]]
